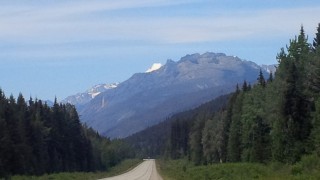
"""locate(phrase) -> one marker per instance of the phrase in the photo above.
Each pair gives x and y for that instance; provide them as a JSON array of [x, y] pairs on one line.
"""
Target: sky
[[59, 48]]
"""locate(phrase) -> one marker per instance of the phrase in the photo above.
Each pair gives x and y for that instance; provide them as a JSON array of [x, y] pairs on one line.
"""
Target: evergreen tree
[[234, 148], [295, 107], [5, 151], [270, 79], [261, 80], [298, 47], [314, 91], [210, 150], [175, 140], [316, 41], [255, 128], [237, 89], [36, 139], [244, 86], [315, 134], [196, 146], [213, 139], [5, 139]]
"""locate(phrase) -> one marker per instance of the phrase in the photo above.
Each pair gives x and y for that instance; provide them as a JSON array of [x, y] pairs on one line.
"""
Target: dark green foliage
[[314, 89], [255, 129], [315, 135], [261, 80], [245, 86], [213, 139], [196, 146], [294, 126], [37, 139], [151, 142], [234, 142], [270, 79], [179, 135], [308, 168], [160, 140], [275, 120]]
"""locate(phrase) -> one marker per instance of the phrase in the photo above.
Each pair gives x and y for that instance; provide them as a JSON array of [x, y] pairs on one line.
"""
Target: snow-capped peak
[[154, 67], [85, 97]]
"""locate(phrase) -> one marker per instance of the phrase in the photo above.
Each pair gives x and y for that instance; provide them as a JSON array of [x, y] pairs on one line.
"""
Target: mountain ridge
[[146, 99], [84, 97]]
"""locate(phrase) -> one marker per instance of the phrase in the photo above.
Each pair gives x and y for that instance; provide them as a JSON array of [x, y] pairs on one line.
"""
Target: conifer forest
[[37, 139]]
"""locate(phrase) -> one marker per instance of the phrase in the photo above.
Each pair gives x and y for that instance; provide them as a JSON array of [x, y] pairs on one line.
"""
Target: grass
[[119, 169], [308, 168]]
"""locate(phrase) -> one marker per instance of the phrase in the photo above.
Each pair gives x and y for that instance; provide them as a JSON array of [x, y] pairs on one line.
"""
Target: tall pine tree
[[316, 41]]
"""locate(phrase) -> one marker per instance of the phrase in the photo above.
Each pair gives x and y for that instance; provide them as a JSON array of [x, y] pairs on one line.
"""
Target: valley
[[78, 99]]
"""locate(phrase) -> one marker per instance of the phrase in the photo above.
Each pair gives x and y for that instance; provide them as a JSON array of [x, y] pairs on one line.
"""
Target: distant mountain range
[[145, 99]]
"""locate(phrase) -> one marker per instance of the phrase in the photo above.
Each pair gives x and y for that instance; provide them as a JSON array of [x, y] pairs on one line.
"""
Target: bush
[[296, 169], [310, 163], [184, 168]]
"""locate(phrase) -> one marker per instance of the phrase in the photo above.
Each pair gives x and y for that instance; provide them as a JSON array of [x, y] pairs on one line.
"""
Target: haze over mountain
[[147, 98]]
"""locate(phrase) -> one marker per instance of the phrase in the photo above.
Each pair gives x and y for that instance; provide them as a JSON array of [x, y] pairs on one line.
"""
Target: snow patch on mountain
[[154, 67], [93, 95]]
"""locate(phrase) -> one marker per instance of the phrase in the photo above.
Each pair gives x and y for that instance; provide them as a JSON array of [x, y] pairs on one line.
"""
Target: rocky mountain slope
[[85, 97], [146, 99]]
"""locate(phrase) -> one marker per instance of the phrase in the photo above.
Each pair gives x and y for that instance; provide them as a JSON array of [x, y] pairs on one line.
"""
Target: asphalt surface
[[144, 171]]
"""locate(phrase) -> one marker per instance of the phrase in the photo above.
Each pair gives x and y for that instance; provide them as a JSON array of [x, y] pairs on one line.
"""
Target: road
[[144, 171]]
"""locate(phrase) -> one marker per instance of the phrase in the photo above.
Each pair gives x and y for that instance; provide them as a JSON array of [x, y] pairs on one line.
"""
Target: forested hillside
[[38, 139], [171, 135], [277, 119]]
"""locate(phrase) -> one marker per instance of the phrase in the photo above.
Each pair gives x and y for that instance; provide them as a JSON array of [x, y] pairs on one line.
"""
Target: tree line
[[37, 139]]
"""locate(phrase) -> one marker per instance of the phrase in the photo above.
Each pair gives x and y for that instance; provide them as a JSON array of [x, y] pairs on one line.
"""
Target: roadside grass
[[307, 168], [124, 166]]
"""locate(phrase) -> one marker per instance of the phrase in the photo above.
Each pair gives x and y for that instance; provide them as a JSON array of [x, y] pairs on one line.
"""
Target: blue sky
[[59, 48]]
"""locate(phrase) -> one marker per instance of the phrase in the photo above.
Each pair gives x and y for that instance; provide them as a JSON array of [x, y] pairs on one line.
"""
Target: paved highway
[[145, 171]]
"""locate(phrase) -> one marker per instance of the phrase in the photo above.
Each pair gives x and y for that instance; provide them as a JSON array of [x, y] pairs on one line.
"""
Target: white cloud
[[30, 20], [71, 21], [68, 22], [264, 24]]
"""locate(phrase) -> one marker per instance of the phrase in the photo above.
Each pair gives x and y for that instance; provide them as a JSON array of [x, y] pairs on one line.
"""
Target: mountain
[[83, 98], [146, 99]]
